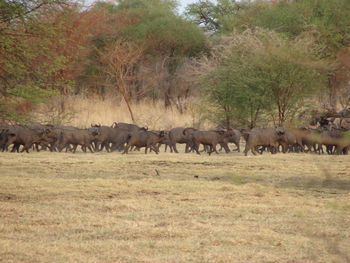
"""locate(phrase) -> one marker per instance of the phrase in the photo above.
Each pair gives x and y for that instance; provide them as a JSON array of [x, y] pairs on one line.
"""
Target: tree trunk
[[167, 101], [129, 108], [227, 117], [333, 85], [126, 98]]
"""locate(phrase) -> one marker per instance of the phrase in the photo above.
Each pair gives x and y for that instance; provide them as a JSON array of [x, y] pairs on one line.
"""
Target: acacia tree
[[118, 63], [218, 16], [166, 39], [260, 71], [325, 19]]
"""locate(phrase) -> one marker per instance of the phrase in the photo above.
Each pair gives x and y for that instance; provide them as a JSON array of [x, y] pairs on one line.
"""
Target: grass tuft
[[235, 179]]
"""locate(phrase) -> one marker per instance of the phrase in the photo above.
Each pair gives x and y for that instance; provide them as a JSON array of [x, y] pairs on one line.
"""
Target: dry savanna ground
[[63, 207]]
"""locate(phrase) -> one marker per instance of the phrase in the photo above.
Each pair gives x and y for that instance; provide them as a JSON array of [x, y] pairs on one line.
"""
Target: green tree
[[28, 63], [219, 16], [328, 17], [166, 40], [262, 72], [42, 48], [327, 20]]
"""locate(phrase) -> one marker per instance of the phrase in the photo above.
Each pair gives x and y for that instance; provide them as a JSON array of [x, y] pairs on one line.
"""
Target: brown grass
[[82, 112], [60, 207]]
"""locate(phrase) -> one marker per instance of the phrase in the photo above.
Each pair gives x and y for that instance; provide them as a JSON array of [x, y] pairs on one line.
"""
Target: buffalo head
[[280, 131]]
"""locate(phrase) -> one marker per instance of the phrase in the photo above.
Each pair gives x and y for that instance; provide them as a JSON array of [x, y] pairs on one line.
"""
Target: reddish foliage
[[24, 107]]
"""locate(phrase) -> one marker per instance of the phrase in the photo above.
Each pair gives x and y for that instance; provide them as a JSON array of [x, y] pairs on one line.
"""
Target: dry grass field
[[63, 207], [80, 111]]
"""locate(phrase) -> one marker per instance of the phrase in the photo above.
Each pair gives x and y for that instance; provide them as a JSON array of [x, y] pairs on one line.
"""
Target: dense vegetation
[[295, 55], [250, 62]]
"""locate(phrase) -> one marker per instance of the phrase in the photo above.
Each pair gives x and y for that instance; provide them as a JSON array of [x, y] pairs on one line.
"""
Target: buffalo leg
[[26, 147], [74, 148], [154, 148], [173, 144], [90, 148], [238, 148], [196, 147], [224, 146], [126, 149]]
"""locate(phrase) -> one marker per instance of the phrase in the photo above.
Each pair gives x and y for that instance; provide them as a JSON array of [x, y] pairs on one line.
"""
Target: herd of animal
[[125, 137]]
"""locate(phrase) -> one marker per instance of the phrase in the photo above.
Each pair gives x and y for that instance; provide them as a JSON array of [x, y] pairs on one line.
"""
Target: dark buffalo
[[115, 137], [235, 138], [120, 138], [336, 141], [177, 135], [147, 139], [23, 135], [166, 141], [52, 138], [266, 137], [291, 141], [129, 127], [121, 132], [104, 138], [309, 138], [82, 137], [3, 138], [208, 138]]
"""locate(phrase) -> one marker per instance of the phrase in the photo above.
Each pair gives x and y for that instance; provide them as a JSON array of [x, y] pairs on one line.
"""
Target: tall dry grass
[[83, 111]]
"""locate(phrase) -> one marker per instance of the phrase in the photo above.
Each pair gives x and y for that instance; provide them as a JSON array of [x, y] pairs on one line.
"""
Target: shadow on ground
[[293, 182]]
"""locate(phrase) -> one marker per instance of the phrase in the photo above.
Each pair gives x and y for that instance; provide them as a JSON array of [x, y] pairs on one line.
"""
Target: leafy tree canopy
[[327, 18], [155, 26], [262, 72]]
